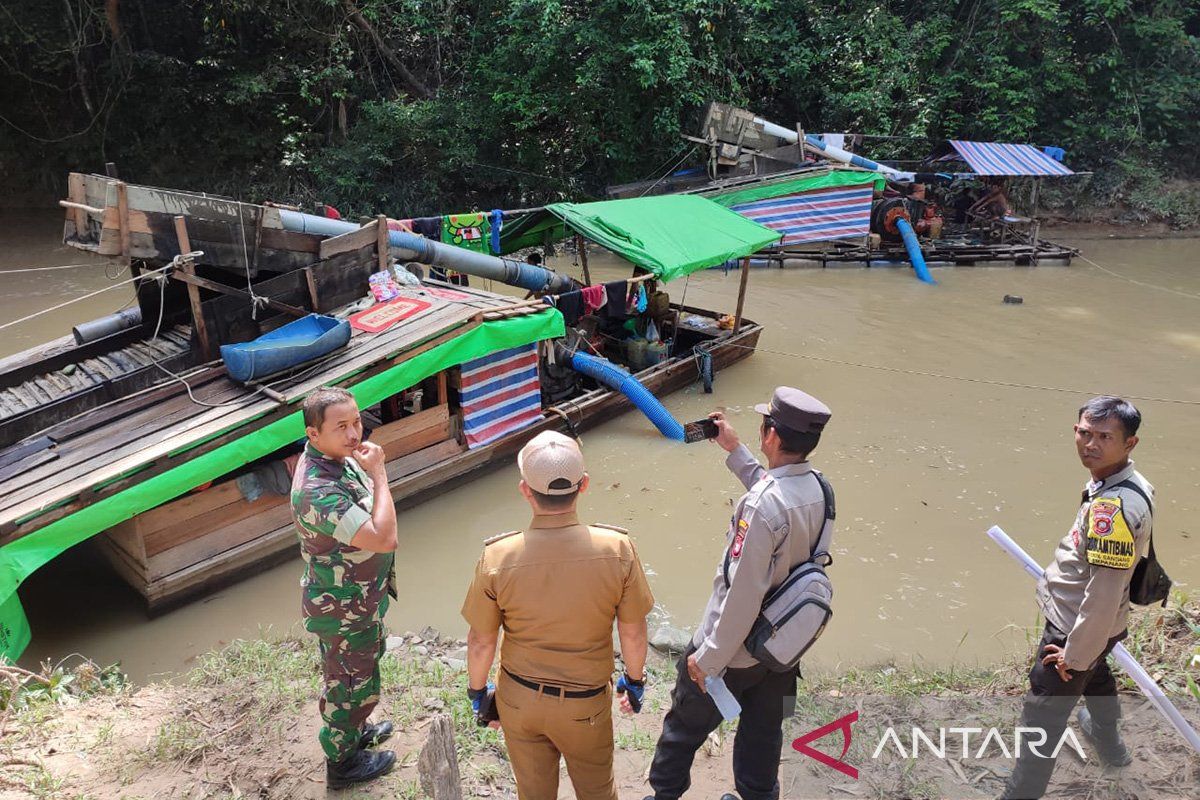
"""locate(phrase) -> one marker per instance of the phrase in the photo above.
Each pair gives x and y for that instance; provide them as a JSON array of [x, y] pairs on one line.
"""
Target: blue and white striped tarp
[[992, 158], [836, 212], [501, 393]]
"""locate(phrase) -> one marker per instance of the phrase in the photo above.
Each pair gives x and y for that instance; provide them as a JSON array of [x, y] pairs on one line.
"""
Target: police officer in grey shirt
[[774, 527], [1084, 596]]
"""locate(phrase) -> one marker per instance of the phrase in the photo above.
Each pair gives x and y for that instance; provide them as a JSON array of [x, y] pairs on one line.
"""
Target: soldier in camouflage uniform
[[347, 524]]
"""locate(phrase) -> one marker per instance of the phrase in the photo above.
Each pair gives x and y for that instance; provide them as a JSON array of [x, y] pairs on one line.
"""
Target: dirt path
[[244, 723]]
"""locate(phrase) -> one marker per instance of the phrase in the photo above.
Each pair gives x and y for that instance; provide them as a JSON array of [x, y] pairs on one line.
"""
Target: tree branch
[[414, 85]]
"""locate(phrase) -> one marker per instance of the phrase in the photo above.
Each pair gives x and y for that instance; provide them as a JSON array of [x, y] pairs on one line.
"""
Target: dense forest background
[[415, 106]]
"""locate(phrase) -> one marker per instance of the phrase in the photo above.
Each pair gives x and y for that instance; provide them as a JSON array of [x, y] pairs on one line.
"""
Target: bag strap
[[821, 548], [1128, 483]]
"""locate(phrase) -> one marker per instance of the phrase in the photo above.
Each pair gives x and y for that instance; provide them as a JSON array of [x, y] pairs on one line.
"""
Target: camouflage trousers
[[350, 663]]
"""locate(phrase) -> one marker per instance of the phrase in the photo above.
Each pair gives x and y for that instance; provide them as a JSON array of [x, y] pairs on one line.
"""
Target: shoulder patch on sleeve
[[1109, 541], [609, 527], [498, 537]]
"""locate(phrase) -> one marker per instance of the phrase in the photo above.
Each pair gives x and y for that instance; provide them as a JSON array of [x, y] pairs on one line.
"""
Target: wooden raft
[[209, 538]]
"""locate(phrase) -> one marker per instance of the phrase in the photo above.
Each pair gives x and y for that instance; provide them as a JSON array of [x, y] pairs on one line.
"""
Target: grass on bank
[[262, 685]]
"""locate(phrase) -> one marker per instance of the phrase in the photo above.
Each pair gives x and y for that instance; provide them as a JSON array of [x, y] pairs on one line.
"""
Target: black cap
[[796, 410]]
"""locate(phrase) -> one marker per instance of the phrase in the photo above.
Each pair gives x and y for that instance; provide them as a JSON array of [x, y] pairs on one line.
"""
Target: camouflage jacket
[[343, 587]]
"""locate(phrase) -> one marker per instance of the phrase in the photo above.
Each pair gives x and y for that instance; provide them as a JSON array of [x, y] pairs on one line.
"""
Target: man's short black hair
[[1106, 406], [321, 399], [555, 502], [791, 441]]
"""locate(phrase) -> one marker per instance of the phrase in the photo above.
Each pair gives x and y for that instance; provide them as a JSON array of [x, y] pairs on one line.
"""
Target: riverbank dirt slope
[[244, 722]]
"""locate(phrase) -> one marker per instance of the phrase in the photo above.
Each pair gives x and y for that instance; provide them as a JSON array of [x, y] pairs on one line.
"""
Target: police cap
[[796, 410]]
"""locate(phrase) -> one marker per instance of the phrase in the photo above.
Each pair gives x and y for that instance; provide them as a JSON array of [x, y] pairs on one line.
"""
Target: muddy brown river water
[[922, 463]]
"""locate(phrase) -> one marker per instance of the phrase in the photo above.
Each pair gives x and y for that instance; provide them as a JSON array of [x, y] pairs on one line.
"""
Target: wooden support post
[[381, 240], [800, 140], [438, 763], [123, 219], [741, 301], [185, 246], [581, 248], [443, 392], [1037, 225], [77, 191]]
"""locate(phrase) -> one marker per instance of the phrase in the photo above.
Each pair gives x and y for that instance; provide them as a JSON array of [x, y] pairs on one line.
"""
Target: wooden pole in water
[[185, 246], [741, 301], [581, 248], [1037, 225]]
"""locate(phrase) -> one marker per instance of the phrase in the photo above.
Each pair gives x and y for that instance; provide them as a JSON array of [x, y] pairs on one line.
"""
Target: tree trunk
[[414, 85]]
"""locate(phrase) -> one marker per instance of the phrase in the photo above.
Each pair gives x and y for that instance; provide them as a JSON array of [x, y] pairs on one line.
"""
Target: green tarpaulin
[[20, 558], [761, 191], [530, 230], [670, 235]]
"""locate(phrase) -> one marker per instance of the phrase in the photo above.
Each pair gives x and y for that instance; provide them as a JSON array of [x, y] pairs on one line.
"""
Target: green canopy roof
[[761, 190], [670, 235]]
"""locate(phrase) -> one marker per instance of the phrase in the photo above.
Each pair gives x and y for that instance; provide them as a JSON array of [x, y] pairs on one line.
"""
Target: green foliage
[[518, 102]]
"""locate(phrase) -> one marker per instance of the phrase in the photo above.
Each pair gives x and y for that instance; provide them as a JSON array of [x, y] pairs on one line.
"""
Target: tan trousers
[[539, 729]]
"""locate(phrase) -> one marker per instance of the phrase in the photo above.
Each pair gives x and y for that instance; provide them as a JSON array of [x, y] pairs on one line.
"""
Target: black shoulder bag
[[1150, 583]]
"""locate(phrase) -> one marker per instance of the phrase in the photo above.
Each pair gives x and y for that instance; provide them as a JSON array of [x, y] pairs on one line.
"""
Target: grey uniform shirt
[[774, 527], [1085, 591]]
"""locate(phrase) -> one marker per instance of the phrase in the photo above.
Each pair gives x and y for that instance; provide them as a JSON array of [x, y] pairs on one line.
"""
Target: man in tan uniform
[[1084, 596], [555, 588]]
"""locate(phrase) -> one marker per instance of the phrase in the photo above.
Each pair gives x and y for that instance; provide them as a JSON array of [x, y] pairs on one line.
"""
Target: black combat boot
[[1106, 739], [359, 766], [375, 733]]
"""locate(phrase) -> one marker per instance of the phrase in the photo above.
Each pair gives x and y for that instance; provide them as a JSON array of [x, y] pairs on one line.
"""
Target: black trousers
[[1048, 706], [766, 698]]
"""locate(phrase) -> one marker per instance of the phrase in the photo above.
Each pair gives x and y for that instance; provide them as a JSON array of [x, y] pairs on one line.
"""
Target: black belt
[[554, 691]]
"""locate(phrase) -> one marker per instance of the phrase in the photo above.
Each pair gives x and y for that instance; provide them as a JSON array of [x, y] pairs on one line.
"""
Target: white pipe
[[1120, 653], [818, 145]]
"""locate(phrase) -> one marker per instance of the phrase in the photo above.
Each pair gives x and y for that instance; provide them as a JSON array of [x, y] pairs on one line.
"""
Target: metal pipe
[[833, 153], [414, 247], [106, 326]]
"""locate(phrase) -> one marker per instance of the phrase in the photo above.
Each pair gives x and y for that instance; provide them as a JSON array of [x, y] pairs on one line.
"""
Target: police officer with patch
[[775, 526], [1084, 596], [555, 589], [344, 514]]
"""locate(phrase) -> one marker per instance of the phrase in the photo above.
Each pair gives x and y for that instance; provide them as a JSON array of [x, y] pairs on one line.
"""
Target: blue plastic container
[[293, 344]]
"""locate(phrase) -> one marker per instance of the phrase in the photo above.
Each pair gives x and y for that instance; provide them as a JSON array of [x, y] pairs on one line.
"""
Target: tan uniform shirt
[[556, 589], [1085, 592], [774, 527]]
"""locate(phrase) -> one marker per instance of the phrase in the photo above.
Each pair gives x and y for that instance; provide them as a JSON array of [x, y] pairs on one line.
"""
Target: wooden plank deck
[[136, 440]]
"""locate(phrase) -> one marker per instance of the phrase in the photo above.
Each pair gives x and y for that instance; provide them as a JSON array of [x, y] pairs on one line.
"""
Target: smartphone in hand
[[699, 430]]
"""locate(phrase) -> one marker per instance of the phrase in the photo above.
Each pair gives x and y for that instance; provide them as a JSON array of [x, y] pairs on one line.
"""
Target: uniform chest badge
[[739, 539]]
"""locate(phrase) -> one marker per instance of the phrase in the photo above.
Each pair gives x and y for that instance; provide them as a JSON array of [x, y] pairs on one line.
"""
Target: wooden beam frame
[[193, 290]]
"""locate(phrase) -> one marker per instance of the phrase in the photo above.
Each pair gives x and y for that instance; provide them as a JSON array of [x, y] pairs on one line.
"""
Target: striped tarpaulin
[[835, 212], [500, 394], [992, 158]]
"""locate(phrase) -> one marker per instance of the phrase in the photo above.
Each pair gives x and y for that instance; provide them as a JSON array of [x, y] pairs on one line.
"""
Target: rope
[[1139, 283], [82, 298], [963, 378], [256, 302], [686, 152], [162, 290], [42, 269]]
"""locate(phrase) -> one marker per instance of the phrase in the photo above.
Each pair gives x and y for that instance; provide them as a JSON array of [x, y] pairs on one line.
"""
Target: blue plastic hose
[[614, 377], [914, 250]]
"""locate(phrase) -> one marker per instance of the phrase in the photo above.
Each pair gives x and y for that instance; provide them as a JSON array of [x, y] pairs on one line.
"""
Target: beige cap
[[551, 463]]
